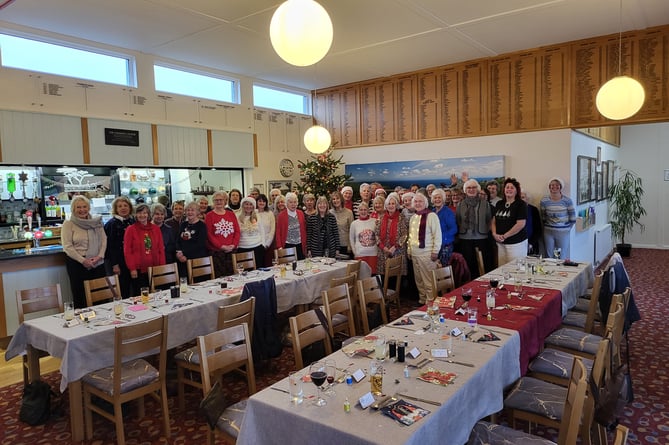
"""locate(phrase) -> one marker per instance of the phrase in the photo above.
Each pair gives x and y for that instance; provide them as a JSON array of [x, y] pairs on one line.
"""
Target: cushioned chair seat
[[582, 305], [339, 319], [135, 373], [556, 363], [191, 355], [231, 420], [485, 433], [575, 340], [536, 396], [576, 319]]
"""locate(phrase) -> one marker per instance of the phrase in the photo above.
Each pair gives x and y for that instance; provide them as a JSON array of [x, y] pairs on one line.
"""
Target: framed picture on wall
[[583, 179], [605, 179], [600, 186], [593, 179], [612, 171], [260, 187], [285, 185]]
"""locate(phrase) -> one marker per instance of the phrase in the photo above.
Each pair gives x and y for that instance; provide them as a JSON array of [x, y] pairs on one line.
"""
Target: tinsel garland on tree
[[319, 175]]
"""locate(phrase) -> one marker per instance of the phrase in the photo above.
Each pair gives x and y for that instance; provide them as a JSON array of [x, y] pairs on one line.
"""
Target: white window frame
[[235, 99], [306, 95]]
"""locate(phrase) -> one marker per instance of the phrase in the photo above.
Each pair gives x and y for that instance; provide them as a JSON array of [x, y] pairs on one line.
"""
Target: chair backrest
[[621, 435], [614, 327], [594, 303], [100, 289], [353, 267], [285, 255], [479, 261], [350, 280], [371, 293], [200, 267], [337, 301], [226, 350], [442, 281], [163, 276], [600, 364], [139, 339], [247, 259], [38, 299], [393, 269], [236, 314], [306, 329], [573, 407]]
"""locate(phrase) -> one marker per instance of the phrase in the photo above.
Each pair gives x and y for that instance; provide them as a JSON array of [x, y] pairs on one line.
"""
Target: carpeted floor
[[647, 417]]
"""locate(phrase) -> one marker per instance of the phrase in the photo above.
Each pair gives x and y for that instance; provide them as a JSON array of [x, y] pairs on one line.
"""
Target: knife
[[447, 360], [418, 399]]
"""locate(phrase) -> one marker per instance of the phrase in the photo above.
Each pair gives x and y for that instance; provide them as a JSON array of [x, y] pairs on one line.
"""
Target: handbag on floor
[[36, 403]]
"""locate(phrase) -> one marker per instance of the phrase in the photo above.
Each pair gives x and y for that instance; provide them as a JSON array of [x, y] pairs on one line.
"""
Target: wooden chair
[[224, 351], [574, 403], [350, 280], [621, 435], [338, 310], [541, 402], [248, 259], [370, 295], [393, 269], [353, 267], [479, 261], [285, 255], [306, 329], [100, 289], [33, 301], [200, 267], [130, 377], [163, 276], [586, 321], [442, 281], [189, 359]]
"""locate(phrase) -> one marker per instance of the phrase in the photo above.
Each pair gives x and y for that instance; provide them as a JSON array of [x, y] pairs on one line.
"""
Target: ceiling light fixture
[[317, 139], [622, 96], [301, 32]]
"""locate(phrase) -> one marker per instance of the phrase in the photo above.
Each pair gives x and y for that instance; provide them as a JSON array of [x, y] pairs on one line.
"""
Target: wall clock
[[286, 168]]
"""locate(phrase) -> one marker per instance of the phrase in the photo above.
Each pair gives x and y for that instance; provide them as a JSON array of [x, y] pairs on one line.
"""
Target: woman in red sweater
[[142, 248], [222, 234]]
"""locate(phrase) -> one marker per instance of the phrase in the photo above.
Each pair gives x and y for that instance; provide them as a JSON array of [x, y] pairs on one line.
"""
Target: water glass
[[144, 292], [295, 388], [183, 285], [118, 305], [380, 347], [518, 285], [68, 314]]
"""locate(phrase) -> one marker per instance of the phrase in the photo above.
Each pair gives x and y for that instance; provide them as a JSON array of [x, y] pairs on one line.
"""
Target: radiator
[[603, 243]]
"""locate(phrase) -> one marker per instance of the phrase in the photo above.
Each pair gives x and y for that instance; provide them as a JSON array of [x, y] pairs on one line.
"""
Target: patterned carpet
[[647, 417]]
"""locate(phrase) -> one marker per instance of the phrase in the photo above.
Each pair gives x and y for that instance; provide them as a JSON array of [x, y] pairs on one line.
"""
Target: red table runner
[[533, 325]]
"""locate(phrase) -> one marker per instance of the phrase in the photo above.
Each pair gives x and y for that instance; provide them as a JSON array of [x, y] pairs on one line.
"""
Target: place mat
[[437, 377], [360, 347], [404, 412], [447, 302], [229, 290], [403, 322]]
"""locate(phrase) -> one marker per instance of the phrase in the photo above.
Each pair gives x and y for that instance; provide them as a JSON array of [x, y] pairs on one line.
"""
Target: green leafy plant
[[319, 175], [626, 208]]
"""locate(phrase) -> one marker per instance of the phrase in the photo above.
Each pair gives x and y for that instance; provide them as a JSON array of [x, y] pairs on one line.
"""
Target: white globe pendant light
[[317, 139], [301, 32], [620, 98]]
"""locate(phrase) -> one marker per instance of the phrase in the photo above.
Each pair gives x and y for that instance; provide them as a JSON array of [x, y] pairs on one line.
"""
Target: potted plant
[[626, 209]]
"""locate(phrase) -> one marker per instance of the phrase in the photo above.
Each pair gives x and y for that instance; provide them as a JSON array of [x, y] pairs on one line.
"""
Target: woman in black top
[[508, 224], [115, 230], [192, 239], [322, 230]]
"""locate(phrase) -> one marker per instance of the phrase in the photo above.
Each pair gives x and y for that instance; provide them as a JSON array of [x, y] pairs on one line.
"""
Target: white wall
[[645, 152]]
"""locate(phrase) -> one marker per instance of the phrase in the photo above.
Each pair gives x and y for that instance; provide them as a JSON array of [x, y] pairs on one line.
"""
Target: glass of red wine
[[331, 369], [494, 281], [318, 373], [466, 294]]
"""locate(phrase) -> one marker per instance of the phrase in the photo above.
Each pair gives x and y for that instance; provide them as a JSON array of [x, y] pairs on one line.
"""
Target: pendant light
[[301, 32], [621, 97], [317, 139]]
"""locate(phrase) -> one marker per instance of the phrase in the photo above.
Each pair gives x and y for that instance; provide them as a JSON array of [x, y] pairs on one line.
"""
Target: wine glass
[[331, 369], [490, 301], [494, 281], [274, 263], [318, 373], [466, 294], [240, 270]]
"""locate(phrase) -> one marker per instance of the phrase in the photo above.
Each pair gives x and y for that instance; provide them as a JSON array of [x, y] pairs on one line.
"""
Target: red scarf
[[389, 238], [421, 230]]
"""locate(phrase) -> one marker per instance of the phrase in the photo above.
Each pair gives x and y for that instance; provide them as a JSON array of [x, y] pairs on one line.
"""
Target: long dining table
[[89, 346], [516, 329]]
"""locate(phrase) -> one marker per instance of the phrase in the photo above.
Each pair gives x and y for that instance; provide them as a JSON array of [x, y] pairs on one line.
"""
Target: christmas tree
[[319, 175]]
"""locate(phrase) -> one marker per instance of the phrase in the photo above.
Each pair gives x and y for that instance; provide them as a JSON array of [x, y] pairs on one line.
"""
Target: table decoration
[[404, 412], [437, 377]]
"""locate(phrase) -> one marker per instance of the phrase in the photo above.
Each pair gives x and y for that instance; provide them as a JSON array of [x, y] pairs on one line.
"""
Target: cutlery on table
[[418, 399], [448, 360]]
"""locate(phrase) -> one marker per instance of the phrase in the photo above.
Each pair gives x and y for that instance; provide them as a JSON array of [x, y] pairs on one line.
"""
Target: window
[[53, 58], [280, 99], [171, 80]]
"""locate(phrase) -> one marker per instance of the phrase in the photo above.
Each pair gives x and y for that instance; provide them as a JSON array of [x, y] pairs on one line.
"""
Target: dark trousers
[[78, 274], [258, 253]]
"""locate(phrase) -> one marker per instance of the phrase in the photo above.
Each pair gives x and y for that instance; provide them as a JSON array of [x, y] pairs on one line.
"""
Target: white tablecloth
[[477, 392]]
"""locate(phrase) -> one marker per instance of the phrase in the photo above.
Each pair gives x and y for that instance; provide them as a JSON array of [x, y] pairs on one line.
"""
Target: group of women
[[395, 225]]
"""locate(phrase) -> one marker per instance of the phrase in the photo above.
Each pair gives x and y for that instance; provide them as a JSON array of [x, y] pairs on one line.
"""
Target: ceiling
[[372, 38]]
